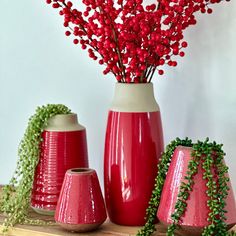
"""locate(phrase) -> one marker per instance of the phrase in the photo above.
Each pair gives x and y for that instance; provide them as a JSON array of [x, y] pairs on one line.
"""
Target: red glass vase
[[63, 147], [133, 146], [196, 214], [81, 206]]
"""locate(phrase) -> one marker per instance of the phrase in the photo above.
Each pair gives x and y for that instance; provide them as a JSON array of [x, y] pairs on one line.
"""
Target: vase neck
[[134, 98]]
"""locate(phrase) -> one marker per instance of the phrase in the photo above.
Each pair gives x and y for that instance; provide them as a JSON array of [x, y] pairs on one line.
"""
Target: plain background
[[39, 65]]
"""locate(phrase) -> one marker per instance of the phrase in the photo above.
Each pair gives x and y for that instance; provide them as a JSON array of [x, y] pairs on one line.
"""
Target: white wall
[[39, 65]]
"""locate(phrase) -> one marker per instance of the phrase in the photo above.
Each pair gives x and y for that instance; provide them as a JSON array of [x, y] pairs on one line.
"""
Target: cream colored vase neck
[[68, 122], [134, 98]]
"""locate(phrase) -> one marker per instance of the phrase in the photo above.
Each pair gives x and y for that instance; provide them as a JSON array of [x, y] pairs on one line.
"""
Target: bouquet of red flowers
[[131, 38]]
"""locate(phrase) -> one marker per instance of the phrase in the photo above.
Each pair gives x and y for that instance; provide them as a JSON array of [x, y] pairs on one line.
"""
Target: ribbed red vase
[[196, 214], [63, 147], [81, 206], [133, 146]]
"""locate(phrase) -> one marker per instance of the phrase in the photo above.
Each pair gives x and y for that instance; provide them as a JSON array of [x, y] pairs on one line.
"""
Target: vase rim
[[182, 146], [135, 84], [80, 171], [67, 115]]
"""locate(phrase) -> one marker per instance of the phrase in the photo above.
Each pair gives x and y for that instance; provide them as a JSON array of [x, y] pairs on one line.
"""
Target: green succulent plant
[[15, 197], [217, 193]]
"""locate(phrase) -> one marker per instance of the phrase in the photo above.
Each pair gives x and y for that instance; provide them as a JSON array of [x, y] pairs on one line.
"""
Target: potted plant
[[16, 196], [192, 190]]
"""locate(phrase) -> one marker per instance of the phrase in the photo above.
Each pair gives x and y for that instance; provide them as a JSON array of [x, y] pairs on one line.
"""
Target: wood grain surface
[[107, 228]]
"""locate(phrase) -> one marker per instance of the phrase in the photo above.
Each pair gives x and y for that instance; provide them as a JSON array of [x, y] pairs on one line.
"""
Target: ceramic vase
[[63, 147], [81, 206], [133, 146], [196, 214]]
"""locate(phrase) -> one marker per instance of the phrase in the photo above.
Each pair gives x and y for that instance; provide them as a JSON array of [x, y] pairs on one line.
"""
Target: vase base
[[80, 228], [43, 211], [128, 224], [133, 223]]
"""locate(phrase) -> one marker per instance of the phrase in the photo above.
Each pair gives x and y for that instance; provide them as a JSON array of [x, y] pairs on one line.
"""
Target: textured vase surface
[[81, 205], [63, 147], [133, 146], [196, 214]]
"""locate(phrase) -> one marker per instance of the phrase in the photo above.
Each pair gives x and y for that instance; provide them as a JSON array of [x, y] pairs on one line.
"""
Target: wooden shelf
[[107, 228]]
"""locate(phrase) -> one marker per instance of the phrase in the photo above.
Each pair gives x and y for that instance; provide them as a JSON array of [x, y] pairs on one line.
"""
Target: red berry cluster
[[131, 39]]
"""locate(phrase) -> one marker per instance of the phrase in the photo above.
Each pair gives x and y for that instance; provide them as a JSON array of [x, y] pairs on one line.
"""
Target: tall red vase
[[196, 214], [63, 147], [133, 146]]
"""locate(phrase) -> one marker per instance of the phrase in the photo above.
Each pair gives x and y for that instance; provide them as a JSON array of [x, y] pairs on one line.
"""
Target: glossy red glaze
[[60, 151], [80, 206], [134, 143], [197, 211]]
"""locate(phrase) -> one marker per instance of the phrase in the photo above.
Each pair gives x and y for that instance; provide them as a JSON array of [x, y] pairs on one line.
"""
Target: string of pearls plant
[[208, 155], [15, 197]]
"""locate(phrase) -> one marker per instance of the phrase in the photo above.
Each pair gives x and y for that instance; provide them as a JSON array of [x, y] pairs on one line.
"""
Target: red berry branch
[[131, 39]]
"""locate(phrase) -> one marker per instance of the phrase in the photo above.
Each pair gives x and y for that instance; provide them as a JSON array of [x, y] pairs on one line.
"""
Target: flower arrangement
[[131, 38], [208, 155]]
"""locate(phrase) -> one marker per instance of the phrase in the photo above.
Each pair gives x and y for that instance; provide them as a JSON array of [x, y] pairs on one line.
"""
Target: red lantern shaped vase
[[133, 146], [81, 206], [196, 214], [63, 147]]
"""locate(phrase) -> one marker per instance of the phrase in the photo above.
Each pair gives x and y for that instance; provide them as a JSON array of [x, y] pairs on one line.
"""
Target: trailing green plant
[[210, 156], [163, 166], [15, 197]]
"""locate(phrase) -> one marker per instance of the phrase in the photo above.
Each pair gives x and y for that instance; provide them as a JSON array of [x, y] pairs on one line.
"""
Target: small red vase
[[196, 214], [133, 146], [63, 147], [80, 207]]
